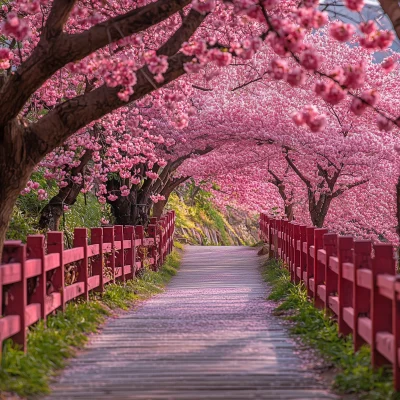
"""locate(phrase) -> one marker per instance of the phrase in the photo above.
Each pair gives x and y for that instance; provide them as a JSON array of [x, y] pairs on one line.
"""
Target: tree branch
[[297, 171], [66, 118], [392, 10], [348, 187], [53, 53], [58, 16]]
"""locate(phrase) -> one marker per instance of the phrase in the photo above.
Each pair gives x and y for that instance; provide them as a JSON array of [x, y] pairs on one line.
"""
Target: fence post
[[319, 269], [35, 250], [331, 277], [381, 306], [162, 235], [279, 225], [172, 230], [108, 237], [15, 252], [96, 236], [268, 229], [361, 295], [303, 255], [396, 334], [139, 232], [152, 232], [296, 253], [129, 234], [290, 255], [55, 244], [345, 287], [80, 240], [310, 260], [120, 253]]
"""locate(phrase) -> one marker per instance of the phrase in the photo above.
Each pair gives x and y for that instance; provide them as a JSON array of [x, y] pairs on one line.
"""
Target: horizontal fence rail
[[353, 279], [33, 276]]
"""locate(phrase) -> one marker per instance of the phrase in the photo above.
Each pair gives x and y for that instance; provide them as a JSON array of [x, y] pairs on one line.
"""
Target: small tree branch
[[392, 10]]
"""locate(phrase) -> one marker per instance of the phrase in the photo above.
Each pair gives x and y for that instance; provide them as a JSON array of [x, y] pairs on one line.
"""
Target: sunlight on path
[[211, 335]]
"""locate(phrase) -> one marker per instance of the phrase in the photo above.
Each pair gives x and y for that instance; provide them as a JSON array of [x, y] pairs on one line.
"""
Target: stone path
[[211, 335]]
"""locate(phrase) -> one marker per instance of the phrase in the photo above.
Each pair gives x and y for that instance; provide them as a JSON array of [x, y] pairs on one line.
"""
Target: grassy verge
[[50, 346], [354, 372]]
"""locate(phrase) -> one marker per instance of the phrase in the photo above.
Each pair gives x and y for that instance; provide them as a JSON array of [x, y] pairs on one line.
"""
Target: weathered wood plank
[[211, 335]]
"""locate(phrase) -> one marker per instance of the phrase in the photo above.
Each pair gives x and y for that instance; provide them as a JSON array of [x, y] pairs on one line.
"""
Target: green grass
[[355, 374], [195, 219], [50, 346]]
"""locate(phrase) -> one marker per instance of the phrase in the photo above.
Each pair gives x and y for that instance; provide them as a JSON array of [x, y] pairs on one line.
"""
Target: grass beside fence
[[355, 374], [50, 346]]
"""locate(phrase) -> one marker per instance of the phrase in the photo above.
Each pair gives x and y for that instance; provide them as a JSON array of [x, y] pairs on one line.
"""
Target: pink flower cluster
[[374, 39], [354, 5], [30, 186], [157, 65], [15, 27], [389, 64], [311, 18], [334, 91], [5, 57], [155, 198], [279, 69], [120, 73], [341, 31], [203, 6], [152, 175], [310, 117], [367, 98]]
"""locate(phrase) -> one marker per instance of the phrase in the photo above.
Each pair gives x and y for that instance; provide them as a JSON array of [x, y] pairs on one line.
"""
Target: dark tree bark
[[158, 208], [135, 208], [51, 214], [319, 203], [276, 181], [392, 9], [13, 177], [398, 208]]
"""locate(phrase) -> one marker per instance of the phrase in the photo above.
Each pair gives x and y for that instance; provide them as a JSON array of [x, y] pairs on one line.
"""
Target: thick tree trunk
[[8, 197], [158, 208], [289, 211], [15, 170], [127, 211], [398, 212], [51, 214], [319, 211], [169, 187]]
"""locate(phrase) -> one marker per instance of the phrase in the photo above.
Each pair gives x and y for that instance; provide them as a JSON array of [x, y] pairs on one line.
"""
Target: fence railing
[[32, 275], [355, 280]]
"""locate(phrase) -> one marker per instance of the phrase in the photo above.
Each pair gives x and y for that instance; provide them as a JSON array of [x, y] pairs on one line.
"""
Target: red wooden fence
[[354, 279], [115, 253]]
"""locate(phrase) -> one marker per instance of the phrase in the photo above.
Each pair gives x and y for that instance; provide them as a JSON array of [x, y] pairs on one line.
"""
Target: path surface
[[211, 335]]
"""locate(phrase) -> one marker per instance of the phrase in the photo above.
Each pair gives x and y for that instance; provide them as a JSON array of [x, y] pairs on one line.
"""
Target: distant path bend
[[210, 335]]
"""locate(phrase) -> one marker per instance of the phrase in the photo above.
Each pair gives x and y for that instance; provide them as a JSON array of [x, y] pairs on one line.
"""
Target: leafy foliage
[[86, 213]]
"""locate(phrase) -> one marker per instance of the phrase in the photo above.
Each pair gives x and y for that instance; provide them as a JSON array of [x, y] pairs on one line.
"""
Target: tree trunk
[[15, 170], [158, 208], [289, 211], [318, 211], [169, 187], [51, 214], [398, 212]]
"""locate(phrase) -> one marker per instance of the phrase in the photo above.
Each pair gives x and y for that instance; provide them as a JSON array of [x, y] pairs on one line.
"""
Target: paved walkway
[[211, 335]]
